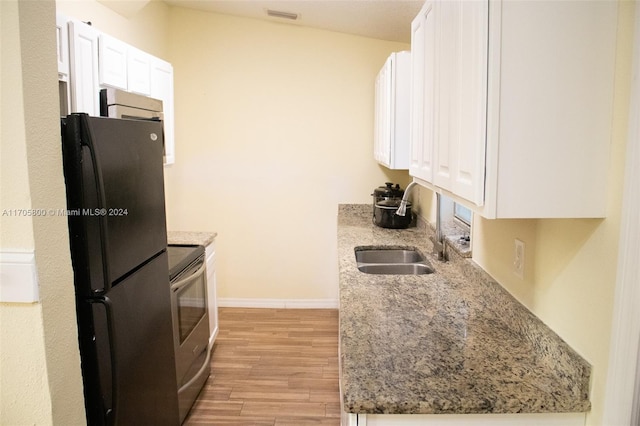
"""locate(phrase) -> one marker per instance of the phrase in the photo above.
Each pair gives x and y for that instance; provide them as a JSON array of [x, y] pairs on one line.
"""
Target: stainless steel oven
[[190, 322]]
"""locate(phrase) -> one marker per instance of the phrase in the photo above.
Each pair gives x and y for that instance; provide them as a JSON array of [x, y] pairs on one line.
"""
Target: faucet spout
[[402, 208]]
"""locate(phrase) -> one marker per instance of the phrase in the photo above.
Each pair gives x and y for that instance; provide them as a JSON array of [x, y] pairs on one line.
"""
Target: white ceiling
[[380, 19]]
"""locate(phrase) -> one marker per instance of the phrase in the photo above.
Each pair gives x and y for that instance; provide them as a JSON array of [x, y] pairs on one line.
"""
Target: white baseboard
[[19, 279], [228, 302]]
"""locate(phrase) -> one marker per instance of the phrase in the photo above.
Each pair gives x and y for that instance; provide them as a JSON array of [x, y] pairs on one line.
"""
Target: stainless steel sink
[[391, 255], [392, 261], [395, 268]]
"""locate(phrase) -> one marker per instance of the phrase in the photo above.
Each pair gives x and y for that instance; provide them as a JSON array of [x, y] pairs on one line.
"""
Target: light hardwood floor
[[276, 367]]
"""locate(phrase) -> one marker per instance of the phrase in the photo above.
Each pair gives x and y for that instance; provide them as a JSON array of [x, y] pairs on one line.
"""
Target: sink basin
[[388, 256], [395, 268], [392, 261]]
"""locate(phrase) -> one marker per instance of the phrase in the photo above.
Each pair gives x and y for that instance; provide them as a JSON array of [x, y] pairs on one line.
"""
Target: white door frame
[[623, 375]]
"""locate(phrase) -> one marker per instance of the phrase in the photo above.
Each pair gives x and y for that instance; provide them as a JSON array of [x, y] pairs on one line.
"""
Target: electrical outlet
[[518, 259]]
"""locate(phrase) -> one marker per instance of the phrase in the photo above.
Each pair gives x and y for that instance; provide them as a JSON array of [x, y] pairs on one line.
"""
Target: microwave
[[117, 103]]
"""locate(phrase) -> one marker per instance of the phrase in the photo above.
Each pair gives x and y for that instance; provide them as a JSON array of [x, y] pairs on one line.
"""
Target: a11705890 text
[[65, 212]]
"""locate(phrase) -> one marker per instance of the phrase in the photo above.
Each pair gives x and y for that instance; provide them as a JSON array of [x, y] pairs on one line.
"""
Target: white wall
[[274, 128]]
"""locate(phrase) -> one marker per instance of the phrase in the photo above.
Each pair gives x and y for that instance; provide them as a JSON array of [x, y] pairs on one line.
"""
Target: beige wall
[[274, 128], [23, 375], [39, 360], [570, 270]]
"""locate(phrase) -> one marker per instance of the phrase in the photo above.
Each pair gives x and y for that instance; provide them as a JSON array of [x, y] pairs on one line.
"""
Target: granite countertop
[[449, 342], [190, 237]]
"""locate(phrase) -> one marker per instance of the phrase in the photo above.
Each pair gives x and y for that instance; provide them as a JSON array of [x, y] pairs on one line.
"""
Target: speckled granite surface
[[190, 237], [449, 342]]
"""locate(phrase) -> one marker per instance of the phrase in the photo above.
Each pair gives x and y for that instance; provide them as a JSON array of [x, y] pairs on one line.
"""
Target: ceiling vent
[[283, 15]]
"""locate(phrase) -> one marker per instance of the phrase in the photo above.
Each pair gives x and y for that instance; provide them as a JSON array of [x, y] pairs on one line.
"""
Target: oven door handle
[[203, 368], [186, 281]]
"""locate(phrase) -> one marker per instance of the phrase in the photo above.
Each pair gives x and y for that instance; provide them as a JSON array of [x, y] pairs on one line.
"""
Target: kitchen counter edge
[[191, 237]]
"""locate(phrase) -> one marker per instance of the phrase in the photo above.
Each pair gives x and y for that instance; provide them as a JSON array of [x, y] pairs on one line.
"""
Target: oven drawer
[[190, 317], [194, 380]]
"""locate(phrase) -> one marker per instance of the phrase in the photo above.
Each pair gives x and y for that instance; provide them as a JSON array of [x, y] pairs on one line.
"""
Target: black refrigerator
[[115, 206]]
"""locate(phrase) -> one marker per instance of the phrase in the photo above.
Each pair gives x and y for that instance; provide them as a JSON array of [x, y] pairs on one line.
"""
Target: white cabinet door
[[139, 72], [400, 92], [391, 128], [62, 47], [456, 42], [112, 62], [162, 88], [212, 301], [382, 135], [469, 113], [422, 95], [377, 105], [445, 96], [83, 57], [551, 91]]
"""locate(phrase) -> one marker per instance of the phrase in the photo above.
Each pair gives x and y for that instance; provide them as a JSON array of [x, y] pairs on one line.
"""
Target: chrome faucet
[[439, 245], [402, 208]]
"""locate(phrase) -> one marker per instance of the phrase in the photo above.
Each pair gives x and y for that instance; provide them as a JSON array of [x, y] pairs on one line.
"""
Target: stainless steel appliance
[[190, 322], [116, 212], [120, 104]]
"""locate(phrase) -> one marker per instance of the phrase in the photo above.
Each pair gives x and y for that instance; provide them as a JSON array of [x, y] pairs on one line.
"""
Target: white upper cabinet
[[161, 87], [522, 105], [391, 128], [461, 91], [112, 62], [83, 55], [422, 95], [139, 71], [62, 47], [91, 60]]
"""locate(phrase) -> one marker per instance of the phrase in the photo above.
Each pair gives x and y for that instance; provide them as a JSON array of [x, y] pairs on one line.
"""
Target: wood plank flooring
[[275, 367]]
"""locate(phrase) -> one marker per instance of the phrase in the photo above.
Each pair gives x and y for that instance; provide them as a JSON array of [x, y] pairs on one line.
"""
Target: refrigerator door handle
[[109, 412], [102, 203]]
